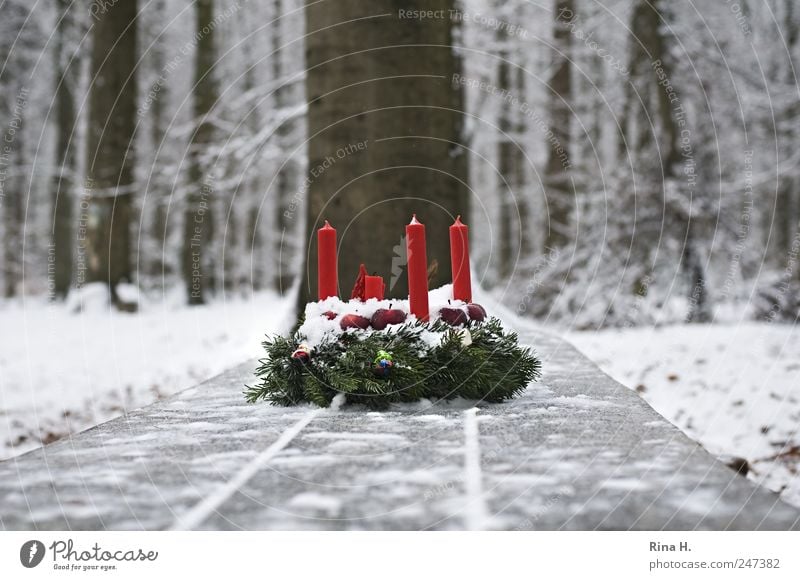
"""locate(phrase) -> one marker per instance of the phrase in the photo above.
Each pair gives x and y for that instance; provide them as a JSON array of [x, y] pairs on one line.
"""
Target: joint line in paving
[[202, 510], [475, 514]]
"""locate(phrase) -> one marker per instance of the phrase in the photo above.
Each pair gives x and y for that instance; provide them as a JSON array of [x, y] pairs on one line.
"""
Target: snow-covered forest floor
[[62, 371], [732, 388]]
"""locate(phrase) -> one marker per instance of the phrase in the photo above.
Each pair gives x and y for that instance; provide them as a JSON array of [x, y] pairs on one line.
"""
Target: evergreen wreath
[[398, 364]]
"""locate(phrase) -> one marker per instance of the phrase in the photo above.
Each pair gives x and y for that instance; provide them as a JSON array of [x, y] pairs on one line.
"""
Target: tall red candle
[[459, 261], [417, 269], [373, 287], [327, 274]]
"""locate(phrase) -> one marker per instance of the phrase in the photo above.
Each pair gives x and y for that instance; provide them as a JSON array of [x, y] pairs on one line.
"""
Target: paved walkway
[[576, 451]]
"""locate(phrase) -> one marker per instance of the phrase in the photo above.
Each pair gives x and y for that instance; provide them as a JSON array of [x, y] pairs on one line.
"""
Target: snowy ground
[[735, 389], [62, 371]]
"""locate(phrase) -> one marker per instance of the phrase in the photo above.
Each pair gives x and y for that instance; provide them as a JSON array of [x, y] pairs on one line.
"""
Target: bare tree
[[20, 41], [672, 209], [198, 232], [787, 206], [284, 226], [155, 259], [559, 191], [110, 146], [66, 61], [515, 234]]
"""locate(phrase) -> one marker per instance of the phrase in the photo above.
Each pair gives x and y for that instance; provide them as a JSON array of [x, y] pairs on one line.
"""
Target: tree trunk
[[520, 179], [639, 166], [19, 50], [385, 142], [284, 223], [504, 160], [110, 146], [786, 224], [252, 272], [559, 190], [515, 237], [156, 262], [16, 191], [650, 14], [64, 183], [198, 230], [676, 194]]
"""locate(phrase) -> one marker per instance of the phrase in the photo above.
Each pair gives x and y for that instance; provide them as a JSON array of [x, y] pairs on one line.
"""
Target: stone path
[[576, 451]]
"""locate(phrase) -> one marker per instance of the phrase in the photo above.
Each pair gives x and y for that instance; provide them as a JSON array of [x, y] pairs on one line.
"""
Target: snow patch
[[317, 502], [337, 402]]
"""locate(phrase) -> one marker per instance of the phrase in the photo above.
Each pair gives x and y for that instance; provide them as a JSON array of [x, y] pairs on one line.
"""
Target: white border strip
[[475, 514]]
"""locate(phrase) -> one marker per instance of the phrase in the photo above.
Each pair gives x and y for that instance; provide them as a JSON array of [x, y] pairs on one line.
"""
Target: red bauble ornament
[[383, 317], [453, 316], [476, 312], [354, 321], [302, 354]]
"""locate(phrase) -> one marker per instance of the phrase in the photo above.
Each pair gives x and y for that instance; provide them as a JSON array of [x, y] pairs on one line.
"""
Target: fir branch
[[494, 367]]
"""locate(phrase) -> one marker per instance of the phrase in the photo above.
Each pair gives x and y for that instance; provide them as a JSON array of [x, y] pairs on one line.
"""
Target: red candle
[[417, 269], [459, 261], [373, 287], [327, 276]]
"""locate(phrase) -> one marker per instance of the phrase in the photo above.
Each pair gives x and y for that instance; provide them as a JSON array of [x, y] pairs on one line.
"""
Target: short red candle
[[327, 276], [459, 261], [417, 269], [373, 287]]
